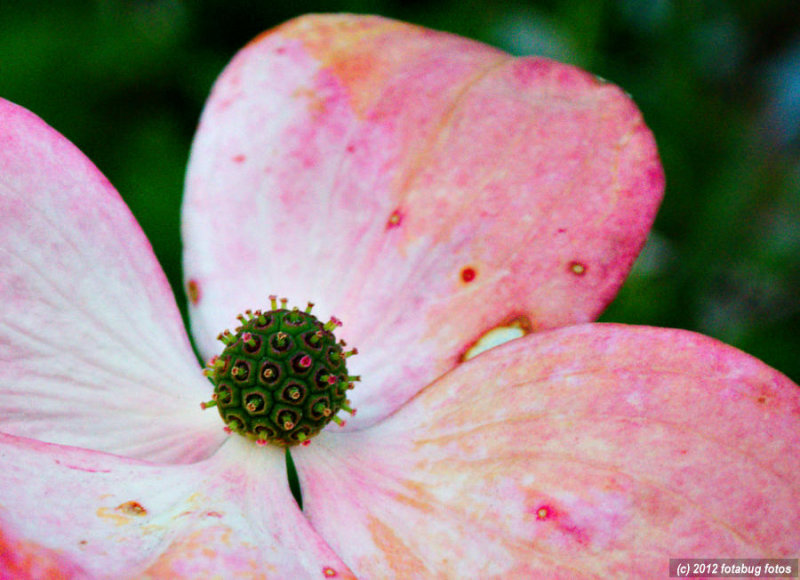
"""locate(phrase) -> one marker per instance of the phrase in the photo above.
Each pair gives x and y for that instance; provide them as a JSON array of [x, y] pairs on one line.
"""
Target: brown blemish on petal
[[193, 291], [394, 220], [329, 572], [121, 515], [468, 274], [131, 508], [514, 326], [577, 268]]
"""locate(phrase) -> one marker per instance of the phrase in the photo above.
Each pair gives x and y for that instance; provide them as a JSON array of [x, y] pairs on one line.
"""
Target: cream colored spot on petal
[[516, 328]]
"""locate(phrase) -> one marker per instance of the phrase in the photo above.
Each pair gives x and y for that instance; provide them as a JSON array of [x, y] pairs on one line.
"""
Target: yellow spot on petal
[[113, 515], [577, 268], [515, 328]]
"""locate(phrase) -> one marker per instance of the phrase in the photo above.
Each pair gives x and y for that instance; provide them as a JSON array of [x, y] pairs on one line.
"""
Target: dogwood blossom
[[439, 197]]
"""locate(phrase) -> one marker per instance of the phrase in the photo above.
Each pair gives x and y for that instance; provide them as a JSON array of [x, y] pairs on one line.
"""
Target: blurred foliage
[[718, 82]]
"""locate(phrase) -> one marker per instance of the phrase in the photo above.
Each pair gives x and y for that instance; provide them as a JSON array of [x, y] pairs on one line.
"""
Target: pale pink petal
[[595, 450], [422, 187], [92, 349], [231, 516]]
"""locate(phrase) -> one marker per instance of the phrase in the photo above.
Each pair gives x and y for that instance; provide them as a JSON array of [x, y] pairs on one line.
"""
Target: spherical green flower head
[[282, 376]]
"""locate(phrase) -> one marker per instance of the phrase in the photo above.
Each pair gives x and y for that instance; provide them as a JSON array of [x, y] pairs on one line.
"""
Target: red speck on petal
[[562, 522], [351, 148], [239, 158], [213, 514], [468, 274], [329, 572], [394, 219], [193, 291], [80, 468]]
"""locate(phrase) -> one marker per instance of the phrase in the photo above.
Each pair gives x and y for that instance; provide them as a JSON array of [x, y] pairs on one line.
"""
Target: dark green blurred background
[[719, 84]]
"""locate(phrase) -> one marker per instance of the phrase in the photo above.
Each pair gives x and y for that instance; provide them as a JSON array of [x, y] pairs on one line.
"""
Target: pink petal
[[92, 348], [595, 450], [422, 187], [231, 515]]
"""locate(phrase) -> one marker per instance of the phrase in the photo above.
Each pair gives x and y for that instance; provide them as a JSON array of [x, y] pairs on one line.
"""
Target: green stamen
[[281, 376]]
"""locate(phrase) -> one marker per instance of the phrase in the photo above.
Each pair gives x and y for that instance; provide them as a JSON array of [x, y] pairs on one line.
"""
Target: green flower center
[[282, 376]]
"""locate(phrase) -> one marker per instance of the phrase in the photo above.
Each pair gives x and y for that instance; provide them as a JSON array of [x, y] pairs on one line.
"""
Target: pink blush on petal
[[27, 559]]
